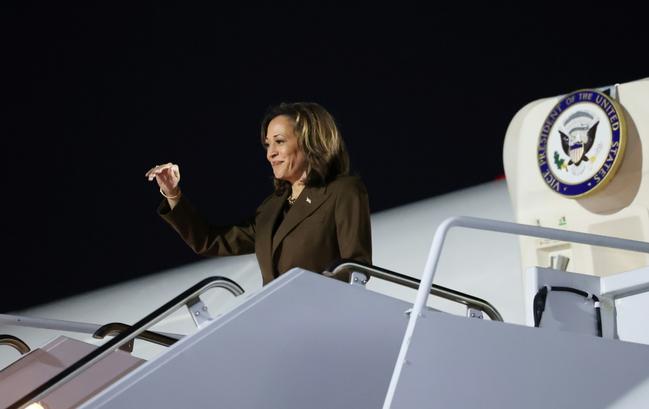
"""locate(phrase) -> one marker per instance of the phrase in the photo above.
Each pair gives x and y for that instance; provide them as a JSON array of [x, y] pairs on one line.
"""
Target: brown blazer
[[325, 224]]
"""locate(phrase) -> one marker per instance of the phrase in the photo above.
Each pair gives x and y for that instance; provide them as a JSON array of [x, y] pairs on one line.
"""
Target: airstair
[[306, 340]]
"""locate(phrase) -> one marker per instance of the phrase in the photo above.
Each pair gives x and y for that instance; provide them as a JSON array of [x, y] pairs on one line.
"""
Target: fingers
[[167, 176], [151, 173], [160, 169]]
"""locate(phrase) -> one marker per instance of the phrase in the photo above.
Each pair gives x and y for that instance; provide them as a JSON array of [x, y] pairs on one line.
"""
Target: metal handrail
[[59, 325], [14, 342], [410, 282], [494, 226], [116, 328], [121, 339]]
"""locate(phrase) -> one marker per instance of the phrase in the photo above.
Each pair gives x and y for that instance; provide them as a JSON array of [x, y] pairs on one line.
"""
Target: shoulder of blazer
[[346, 183]]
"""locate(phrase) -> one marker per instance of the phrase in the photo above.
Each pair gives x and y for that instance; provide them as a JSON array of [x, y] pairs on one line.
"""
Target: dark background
[[93, 97]]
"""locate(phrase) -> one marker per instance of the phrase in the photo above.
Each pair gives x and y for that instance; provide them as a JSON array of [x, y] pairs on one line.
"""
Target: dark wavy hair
[[317, 136]]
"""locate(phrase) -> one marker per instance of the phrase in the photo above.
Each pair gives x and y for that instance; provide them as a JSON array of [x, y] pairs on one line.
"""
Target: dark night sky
[[94, 97]]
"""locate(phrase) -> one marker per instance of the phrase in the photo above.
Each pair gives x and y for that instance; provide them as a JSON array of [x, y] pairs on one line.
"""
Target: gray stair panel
[[459, 363], [304, 341]]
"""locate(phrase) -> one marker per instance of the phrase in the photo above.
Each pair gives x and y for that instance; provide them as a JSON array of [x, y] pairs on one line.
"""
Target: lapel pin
[[308, 200]]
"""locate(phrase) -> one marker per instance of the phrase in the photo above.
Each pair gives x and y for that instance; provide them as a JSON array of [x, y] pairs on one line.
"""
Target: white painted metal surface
[[620, 209]]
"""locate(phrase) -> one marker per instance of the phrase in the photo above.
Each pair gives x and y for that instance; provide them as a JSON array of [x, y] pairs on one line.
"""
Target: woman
[[317, 214]]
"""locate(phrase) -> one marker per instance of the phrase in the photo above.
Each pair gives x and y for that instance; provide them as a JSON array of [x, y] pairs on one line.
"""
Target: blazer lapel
[[264, 234], [309, 201]]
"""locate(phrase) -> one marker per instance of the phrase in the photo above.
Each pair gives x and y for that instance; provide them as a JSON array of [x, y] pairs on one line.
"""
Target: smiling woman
[[317, 214]]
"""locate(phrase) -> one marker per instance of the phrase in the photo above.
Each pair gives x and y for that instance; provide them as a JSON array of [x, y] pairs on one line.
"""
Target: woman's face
[[282, 150]]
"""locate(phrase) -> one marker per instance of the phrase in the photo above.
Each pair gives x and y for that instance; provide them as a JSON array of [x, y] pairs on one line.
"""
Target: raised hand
[[168, 177]]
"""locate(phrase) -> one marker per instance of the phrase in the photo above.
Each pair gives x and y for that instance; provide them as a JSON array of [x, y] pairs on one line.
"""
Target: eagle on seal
[[577, 143]]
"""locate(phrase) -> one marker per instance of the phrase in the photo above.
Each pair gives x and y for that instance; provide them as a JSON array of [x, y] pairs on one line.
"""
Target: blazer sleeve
[[353, 228], [205, 239]]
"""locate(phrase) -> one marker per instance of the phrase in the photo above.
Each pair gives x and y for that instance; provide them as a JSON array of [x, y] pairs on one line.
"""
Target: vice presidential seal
[[582, 143]]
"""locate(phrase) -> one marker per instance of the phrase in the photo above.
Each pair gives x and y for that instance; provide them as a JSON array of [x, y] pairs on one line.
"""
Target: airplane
[[526, 234]]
